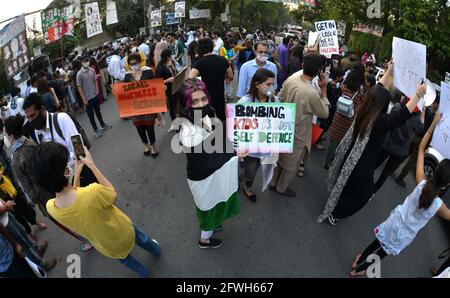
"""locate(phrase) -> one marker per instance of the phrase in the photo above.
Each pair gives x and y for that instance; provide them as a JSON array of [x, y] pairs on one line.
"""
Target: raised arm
[[420, 172]]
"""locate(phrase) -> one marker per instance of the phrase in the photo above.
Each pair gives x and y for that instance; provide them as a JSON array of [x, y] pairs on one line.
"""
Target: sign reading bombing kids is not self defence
[[261, 127], [140, 98]]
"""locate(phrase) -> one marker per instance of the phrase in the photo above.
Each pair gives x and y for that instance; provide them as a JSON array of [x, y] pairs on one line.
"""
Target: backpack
[[345, 107], [54, 121]]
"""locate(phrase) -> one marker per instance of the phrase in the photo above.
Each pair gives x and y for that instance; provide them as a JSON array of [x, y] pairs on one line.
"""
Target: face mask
[[204, 110], [85, 65], [38, 122], [269, 91], [338, 85], [6, 141], [262, 58], [135, 67]]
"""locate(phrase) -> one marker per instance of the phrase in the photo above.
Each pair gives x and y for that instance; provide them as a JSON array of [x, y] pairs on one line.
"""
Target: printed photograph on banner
[[171, 19], [16, 56], [261, 127], [93, 20], [156, 18], [140, 98], [328, 44], [180, 9]]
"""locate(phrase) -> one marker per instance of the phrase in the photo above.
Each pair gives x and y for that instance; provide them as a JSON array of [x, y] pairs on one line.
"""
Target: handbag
[[345, 106]]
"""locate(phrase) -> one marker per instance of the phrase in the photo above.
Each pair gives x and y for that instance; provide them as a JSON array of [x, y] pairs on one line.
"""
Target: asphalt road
[[274, 237]]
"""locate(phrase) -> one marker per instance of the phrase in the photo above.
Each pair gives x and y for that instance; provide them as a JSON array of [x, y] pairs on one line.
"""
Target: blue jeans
[[19, 234], [146, 242]]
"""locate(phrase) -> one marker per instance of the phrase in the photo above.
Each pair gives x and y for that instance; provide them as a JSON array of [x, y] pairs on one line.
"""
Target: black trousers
[[94, 106], [175, 104], [373, 248], [24, 213], [144, 131], [251, 166], [392, 164]]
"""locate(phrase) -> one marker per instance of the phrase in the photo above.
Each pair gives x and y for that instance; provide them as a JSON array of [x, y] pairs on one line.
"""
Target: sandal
[[86, 247], [355, 262], [251, 197]]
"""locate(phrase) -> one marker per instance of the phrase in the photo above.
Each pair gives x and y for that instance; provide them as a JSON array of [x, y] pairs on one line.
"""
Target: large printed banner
[[329, 43], [93, 20], [199, 14], [111, 12], [441, 135], [140, 98], [371, 29], [16, 56], [409, 64], [180, 9], [261, 127], [58, 22]]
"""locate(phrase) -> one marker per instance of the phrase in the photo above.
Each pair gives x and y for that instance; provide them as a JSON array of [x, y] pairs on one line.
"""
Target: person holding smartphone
[[89, 211]]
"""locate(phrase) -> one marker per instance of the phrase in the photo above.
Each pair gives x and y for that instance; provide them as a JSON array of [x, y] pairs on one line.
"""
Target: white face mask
[[86, 65], [6, 141], [262, 58], [135, 67]]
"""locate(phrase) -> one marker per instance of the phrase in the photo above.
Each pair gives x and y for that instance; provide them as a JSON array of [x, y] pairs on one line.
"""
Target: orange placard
[[140, 98], [316, 133]]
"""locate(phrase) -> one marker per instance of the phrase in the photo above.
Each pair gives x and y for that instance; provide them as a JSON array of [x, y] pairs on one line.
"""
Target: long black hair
[[376, 103], [436, 185], [260, 76]]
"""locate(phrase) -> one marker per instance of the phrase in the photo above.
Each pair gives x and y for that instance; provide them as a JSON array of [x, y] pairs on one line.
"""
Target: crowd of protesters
[[44, 170]]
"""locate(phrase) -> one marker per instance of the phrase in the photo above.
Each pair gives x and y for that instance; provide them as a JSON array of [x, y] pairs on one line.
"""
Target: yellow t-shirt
[[94, 216]]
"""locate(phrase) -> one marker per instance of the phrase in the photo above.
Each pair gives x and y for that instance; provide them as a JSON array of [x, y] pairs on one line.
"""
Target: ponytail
[[429, 193], [436, 185]]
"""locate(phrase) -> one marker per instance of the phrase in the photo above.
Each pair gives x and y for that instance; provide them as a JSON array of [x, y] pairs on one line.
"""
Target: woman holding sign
[[145, 124], [212, 172], [405, 221], [262, 89], [350, 178]]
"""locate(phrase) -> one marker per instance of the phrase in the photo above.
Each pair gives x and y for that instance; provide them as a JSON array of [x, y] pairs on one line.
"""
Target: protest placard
[[409, 65], [371, 29], [170, 19], [312, 38], [156, 18], [261, 127], [329, 43], [447, 77], [179, 80], [441, 135], [180, 9], [140, 98]]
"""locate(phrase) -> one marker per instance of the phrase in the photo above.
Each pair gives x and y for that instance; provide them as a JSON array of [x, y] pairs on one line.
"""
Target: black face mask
[[38, 122], [205, 111]]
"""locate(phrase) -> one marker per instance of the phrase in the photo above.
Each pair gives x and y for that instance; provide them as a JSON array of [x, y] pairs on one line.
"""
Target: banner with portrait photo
[[93, 20], [16, 56], [156, 18], [180, 9]]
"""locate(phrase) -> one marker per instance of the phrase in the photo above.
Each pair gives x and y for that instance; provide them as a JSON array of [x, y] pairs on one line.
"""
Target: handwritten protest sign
[[409, 64], [261, 127], [329, 43], [140, 98], [441, 135]]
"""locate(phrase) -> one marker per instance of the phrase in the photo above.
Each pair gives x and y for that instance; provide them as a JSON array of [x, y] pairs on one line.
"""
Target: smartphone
[[78, 146]]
